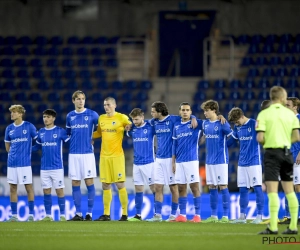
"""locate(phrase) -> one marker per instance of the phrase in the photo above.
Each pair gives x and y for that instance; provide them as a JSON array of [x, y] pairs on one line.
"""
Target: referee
[[277, 127]]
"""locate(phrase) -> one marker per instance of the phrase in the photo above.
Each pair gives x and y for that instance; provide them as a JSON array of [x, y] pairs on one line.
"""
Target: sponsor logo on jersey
[[184, 134], [176, 127], [109, 130], [212, 136], [79, 126], [19, 140], [54, 135], [42, 135], [161, 130], [11, 132], [246, 138], [73, 118], [49, 144], [140, 139], [24, 131]]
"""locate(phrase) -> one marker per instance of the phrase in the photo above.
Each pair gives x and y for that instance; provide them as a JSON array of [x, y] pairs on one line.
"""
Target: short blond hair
[[17, 108], [77, 93], [276, 93]]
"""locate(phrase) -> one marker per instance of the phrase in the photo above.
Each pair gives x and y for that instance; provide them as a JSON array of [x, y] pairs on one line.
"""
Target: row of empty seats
[[57, 40], [272, 72], [270, 39], [290, 60]]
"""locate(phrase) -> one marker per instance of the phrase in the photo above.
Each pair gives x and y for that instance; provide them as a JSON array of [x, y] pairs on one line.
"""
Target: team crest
[[119, 175], [24, 132], [86, 118], [89, 172], [54, 135], [73, 118], [171, 178], [192, 177], [24, 178], [102, 124], [113, 123], [216, 128], [59, 183], [219, 178], [254, 179], [296, 179], [145, 131], [249, 129]]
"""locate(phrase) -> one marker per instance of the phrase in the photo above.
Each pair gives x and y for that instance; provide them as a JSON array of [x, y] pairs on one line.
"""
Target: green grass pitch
[[135, 235]]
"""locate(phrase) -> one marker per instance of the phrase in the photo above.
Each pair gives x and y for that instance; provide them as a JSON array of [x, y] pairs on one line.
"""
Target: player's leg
[[296, 178], [211, 181], [12, 179], [123, 196], [243, 185], [180, 179], [89, 169], [222, 176], [297, 190], [255, 174], [75, 175], [22, 173], [47, 204], [59, 185]]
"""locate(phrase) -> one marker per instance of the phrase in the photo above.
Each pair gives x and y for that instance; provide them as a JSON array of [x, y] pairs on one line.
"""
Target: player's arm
[[295, 135], [7, 146], [260, 137], [298, 159], [232, 138], [36, 147], [97, 133], [174, 146], [221, 119]]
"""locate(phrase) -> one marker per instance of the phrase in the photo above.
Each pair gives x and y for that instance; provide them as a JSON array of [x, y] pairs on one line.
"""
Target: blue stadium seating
[[6, 63], [219, 84], [96, 51], [268, 72], [41, 107], [285, 39], [85, 74], [35, 97], [275, 61], [253, 72], [72, 85], [253, 49], [21, 97], [83, 63], [131, 85], [58, 108], [257, 39], [68, 63], [67, 51], [235, 95], [53, 51], [8, 73], [282, 72], [82, 51], [235, 84], [38, 74], [9, 85], [293, 83], [101, 40], [127, 96], [57, 85], [23, 51], [220, 95], [56, 74], [261, 61], [278, 82], [23, 73], [70, 74], [268, 49], [199, 96], [146, 85], [54, 97], [264, 83], [24, 85], [43, 85], [271, 39], [283, 49], [294, 93], [244, 106], [249, 83], [117, 85], [41, 40], [87, 85], [73, 40], [7, 51], [264, 95], [203, 84], [289, 60], [247, 61], [102, 85], [10, 40], [67, 97], [100, 74], [141, 96], [56, 40], [295, 72], [112, 63], [28, 107], [24, 40], [87, 40], [52, 63], [40, 51], [249, 95], [97, 62], [36, 62]]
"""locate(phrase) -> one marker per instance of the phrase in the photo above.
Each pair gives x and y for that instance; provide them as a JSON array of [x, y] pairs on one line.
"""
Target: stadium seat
[[58, 108], [295, 48], [40, 51], [8, 74], [53, 51], [101, 40], [249, 83], [256, 107], [293, 83], [21, 63], [285, 39], [41, 40], [29, 109], [127, 96], [253, 49], [268, 72], [275, 61], [97, 62], [56, 40], [261, 61], [112, 63], [219, 84], [235, 95], [235, 84], [83, 63], [56, 74], [271, 39], [113, 95], [70, 74], [67, 51], [82, 51], [247, 61], [131, 85], [125, 108], [117, 85], [5, 97], [100, 74], [10, 40], [203, 84], [243, 39], [6, 63], [23, 73], [102, 85], [278, 82], [96, 51], [7, 51], [141, 96], [110, 51], [244, 106], [25, 40], [264, 83], [249, 95], [85, 74], [253, 72], [72, 85], [21, 97], [41, 107], [53, 97], [114, 40], [67, 63], [283, 49], [268, 49], [43, 85], [228, 106], [294, 93], [295, 72], [146, 85], [264, 95], [97, 97], [257, 39], [282, 72], [24, 85], [36, 62], [87, 40], [87, 85], [67, 97], [289, 60], [199, 96], [52, 63], [35, 97], [58, 85], [38, 74], [219, 95], [73, 40], [9, 85]]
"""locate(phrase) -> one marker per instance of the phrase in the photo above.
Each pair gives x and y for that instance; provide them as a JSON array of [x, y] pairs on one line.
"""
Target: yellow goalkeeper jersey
[[111, 129]]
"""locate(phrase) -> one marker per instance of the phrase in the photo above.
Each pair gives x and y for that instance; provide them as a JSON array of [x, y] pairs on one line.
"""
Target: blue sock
[[182, 205], [226, 201], [48, 203], [154, 201], [298, 197], [61, 203], [197, 204], [260, 199], [138, 202], [77, 198], [31, 207], [244, 199], [287, 210], [174, 208], [91, 198], [158, 206], [13, 206], [213, 201]]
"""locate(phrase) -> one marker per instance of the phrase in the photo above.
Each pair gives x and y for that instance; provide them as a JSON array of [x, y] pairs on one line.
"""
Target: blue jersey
[[51, 141], [163, 131], [295, 148], [249, 147], [80, 127], [143, 143], [186, 141], [216, 141], [20, 139]]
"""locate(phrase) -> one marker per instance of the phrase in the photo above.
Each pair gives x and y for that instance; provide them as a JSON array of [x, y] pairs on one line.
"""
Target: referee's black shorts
[[278, 164]]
